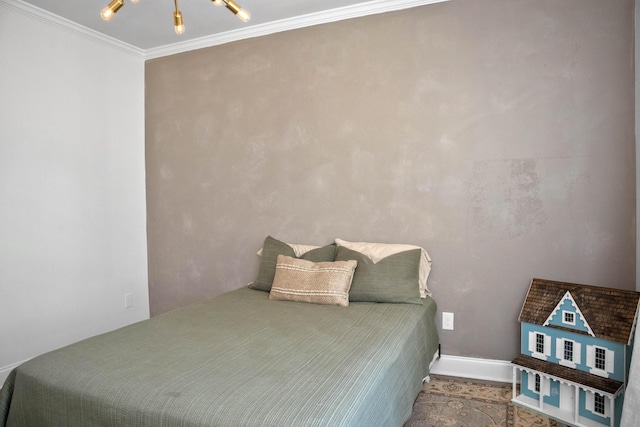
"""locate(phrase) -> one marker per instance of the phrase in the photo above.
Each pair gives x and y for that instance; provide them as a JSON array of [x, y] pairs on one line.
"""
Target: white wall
[[72, 187]]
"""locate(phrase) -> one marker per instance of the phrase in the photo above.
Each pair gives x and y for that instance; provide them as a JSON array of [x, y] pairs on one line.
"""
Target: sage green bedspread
[[235, 360]]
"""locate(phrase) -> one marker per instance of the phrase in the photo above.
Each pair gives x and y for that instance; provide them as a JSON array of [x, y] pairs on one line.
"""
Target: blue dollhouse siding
[[617, 366], [575, 352], [567, 305]]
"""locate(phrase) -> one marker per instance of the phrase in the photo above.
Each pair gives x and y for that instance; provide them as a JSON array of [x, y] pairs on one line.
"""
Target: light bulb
[[114, 6], [218, 2], [134, 1], [243, 15], [106, 14], [177, 22]]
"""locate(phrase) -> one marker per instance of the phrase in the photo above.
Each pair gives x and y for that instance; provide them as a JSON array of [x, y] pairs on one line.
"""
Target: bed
[[243, 358]]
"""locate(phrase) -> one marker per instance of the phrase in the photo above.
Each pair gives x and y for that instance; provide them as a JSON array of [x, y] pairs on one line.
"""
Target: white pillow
[[378, 251]]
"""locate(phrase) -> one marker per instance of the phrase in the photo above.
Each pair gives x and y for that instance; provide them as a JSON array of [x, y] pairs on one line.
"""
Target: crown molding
[[49, 18], [333, 15]]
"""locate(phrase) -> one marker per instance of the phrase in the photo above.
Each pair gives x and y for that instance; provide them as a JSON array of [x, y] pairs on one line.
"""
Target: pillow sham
[[298, 249], [270, 251], [392, 279], [312, 282], [378, 251]]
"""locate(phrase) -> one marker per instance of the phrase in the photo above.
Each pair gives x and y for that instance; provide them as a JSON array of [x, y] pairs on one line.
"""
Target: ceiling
[[147, 27]]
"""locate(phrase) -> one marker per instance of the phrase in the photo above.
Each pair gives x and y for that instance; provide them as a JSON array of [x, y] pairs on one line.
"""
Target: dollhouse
[[576, 344]]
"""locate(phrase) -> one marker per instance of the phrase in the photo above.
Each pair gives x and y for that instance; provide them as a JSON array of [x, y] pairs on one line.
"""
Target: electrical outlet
[[447, 321], [128, 300]]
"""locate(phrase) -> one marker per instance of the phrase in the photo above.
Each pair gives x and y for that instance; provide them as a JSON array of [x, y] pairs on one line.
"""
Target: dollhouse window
[[598, 404], [568, 317], [540, 343], [568, 351], [538, 384], [601, 358]]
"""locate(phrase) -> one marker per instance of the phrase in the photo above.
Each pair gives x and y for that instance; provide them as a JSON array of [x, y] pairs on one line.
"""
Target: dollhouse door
[[567, 398]]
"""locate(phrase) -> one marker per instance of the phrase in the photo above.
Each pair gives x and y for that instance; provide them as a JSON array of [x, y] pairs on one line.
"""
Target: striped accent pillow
[[313, 282]]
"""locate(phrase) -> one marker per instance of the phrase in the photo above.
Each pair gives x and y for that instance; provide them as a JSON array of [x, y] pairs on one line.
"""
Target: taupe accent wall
[[498, 134]]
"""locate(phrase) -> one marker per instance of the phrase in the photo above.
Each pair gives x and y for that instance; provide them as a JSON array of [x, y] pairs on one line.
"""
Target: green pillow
[[270, 251], [392, 279]]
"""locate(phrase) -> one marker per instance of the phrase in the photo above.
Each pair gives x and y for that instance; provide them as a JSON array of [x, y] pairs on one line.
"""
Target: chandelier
[[115, 5]]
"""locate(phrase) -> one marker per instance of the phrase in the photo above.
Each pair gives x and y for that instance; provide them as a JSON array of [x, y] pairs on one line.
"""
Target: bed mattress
[[236, 360]]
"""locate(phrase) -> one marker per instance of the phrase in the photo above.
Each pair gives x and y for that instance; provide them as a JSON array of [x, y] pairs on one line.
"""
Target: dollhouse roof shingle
[[610, 313]]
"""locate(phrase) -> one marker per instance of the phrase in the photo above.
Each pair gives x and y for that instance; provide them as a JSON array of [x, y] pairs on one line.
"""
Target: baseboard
[[475, 368]]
